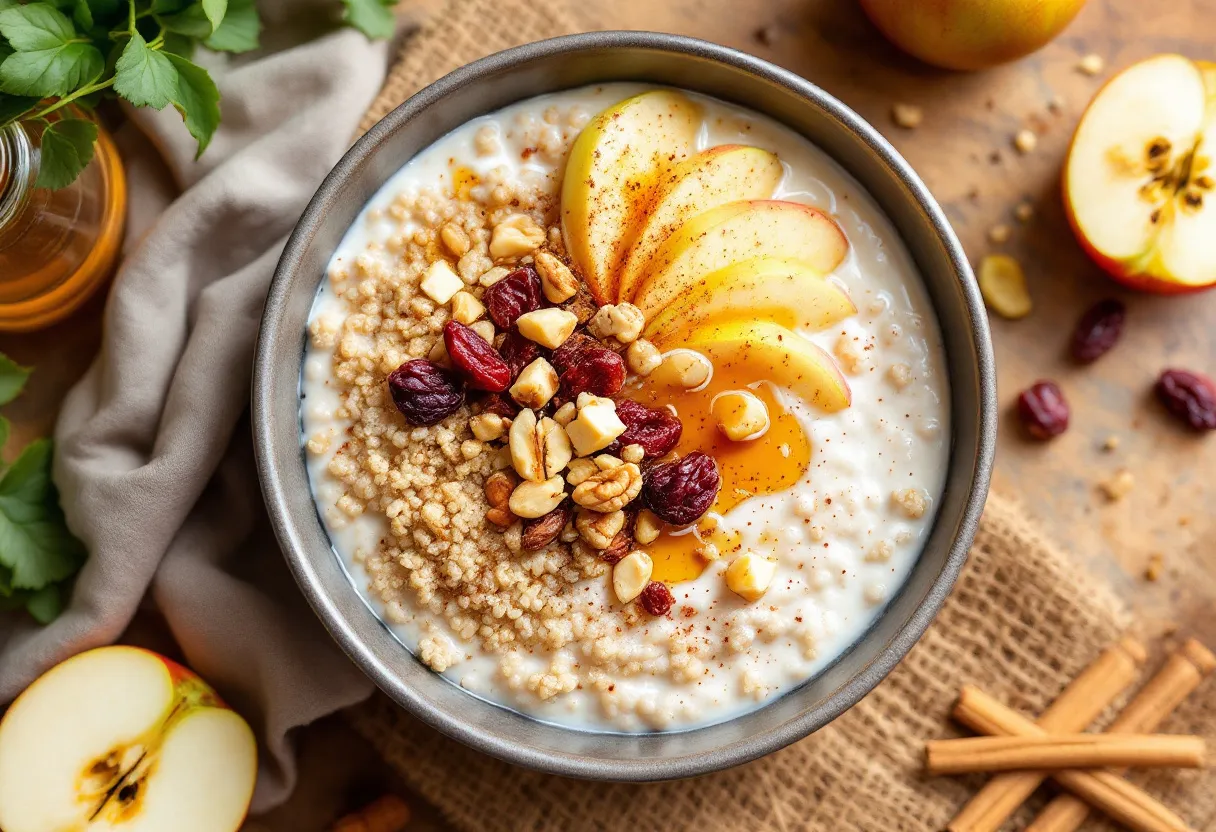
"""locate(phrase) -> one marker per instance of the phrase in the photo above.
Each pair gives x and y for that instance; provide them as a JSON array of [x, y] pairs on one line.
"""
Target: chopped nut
[[498, 488], [455, 238], [485, 329], [609, 490], [547, 327], [999, 234], [647, 528], [466, 309], [439, 354], [488, 426], [708, 552], [1025, 141], [536, 499], [1024, 212], [749, 575], [580, 469], [623, 322], [539, 533], [1156, 565], [556, 280], [535, 385], [492, 276], [683, 368], [740, 415], [900, 375], [1118, 486], [908, 116], [1111, 443], [643, 357], [630, 575], [1003, 286], [633, 453], [500, 517], [565, 414], [606, 461], [598, 529], [539, 449], [913, 501], [516, 236], [596, 427], [440, 283], [1091, 64]]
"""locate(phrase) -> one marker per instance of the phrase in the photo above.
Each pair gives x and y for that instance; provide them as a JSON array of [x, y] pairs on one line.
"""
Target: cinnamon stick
[[1182, 672], [1073, 710], [1063, 751], [1105, 791]]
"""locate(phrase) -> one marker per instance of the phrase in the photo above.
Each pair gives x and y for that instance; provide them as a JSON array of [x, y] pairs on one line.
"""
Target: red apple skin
[[182, 676], [970, 34]]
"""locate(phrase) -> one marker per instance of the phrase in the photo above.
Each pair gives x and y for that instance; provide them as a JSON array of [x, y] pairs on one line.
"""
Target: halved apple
[[759, 349], [727, 173], [739, 231], [613, 169], [785, 292], [120, 738], [1140, 178]]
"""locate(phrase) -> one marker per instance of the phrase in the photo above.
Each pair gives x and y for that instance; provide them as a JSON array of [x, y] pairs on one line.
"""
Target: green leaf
[[67, 147], [45, 604], [8, 4], [82, 15], [371, 17], [34, 539], [49, 59], [239, 31], [176, 44], [214, 10], [6, 584], [13, 107], [191, 21], [12, 378], [197, 99], [6, 427], [105, 9], [144, 76]]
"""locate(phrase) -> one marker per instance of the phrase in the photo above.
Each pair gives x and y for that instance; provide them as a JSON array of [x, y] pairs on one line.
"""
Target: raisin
[[542, 531], [518, 352], [1189, 396], [680, 492], [504, 406], [657, 431], [656, 598], [569, 353], [598, 371], [1098, 330], [475, 358], [516, 294], [1043, 410], [424, 392]]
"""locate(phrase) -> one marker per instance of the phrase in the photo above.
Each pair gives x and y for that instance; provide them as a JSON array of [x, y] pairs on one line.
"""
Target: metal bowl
[[549, 66]]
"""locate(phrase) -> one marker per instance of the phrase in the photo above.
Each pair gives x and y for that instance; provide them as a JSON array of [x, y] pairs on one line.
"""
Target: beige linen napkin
[[154, 456]]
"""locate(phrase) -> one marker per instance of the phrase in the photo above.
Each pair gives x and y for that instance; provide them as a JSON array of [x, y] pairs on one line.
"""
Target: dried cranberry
[[475, 358], [569, 353], [424, 392], [656, 598], [518, 352], [514, 295], [680, 492], [1043, 410], [500, 404], [1098, 330], [1189, 396], [598, 371], [657, 431]]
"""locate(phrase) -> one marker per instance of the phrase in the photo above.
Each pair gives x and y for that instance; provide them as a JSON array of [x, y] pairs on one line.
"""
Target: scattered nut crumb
[[1024, 212], [1110, 443], [1118, 486], [1003, 285], [908, 116], [1056, 104], [999, 234], [1091, 64], [765, 35], [1156, 564], [1025, 141]]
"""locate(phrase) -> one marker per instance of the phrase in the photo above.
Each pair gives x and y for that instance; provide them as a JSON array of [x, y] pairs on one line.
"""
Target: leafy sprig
[[59, 52], [37, 552]]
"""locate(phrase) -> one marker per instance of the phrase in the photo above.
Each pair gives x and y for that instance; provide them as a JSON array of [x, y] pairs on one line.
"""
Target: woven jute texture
[[1021, 622]]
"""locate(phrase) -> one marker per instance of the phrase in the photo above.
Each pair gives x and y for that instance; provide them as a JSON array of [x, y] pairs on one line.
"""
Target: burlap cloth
[[1021, 622]]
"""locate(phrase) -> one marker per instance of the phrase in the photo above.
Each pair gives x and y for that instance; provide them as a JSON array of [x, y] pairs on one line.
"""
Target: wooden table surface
[[963, 150]]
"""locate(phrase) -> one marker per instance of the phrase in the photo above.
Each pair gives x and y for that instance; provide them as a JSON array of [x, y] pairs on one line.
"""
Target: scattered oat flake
[[1025, 141], [1003, 285], [908, 116], [1024, 212], [1091, 64], [1156, 564], [1118, 486], [999, 234]]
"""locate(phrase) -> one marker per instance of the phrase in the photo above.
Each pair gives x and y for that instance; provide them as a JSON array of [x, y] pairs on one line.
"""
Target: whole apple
[[970, 34]]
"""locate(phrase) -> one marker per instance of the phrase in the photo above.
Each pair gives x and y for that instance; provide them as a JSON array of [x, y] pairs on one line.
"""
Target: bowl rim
[[576, 765]]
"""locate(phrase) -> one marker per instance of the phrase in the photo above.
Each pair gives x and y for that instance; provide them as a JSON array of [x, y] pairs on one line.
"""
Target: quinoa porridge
[[625, 408]]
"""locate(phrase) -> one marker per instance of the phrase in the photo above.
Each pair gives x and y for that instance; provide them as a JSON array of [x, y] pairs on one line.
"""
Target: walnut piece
[[611, 489], [596, 529]]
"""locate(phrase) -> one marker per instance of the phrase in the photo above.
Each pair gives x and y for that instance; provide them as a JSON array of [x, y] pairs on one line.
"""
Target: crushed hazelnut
[[516, 236], [1118, 486], [999, 234], [556, 280], [1025, 141], [907, 116], [455, 239], [633, 453], [623, 321], [682, 368], [535, 385], [1091, 64], [647, 527], [643, 357], [466, 309], [488, 426], [547, 327]]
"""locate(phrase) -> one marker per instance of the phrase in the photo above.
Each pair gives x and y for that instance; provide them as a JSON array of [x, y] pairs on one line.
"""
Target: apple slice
[[759, 349], [739, 231], [1140, 178], [613, 169], [785, 292], [119, 738], [727, 173]]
